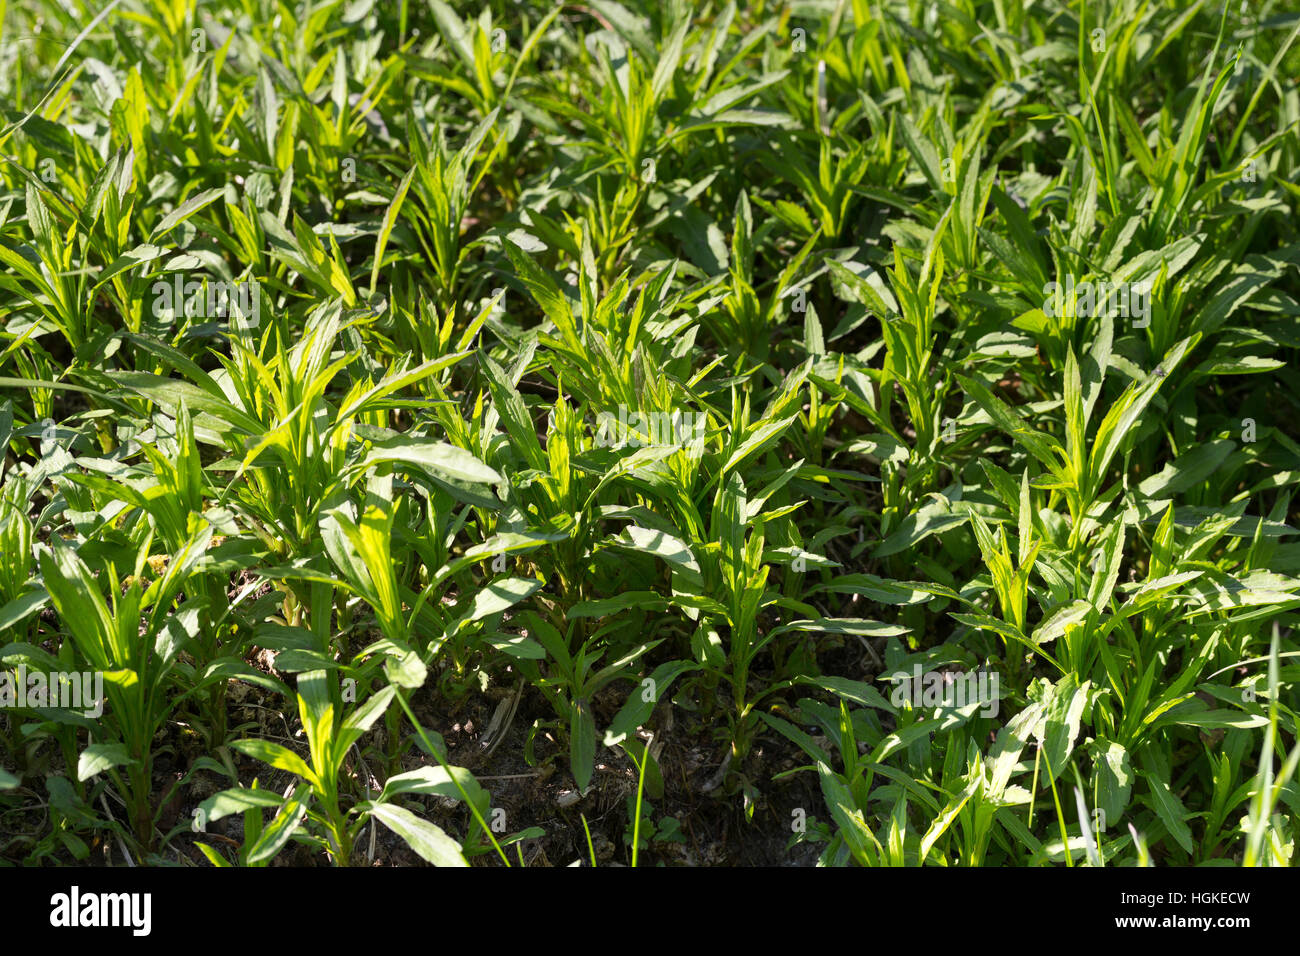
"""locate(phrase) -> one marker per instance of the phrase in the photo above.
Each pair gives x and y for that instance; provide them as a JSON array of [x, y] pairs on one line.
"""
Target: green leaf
[[1040, 445], [759, 439], [238, 800], [945, 819], [548, 295], [1063, 705], [1169, 809], [1214, 719], [1113, 776], [1060, 619], [21, 608], [648, 600], [499, 595], [277, 756], [386, 229], [184, 211], [848, 816], [636, 710], [433, 781], [660, 544], [582, 743], [425, 838], [932, 518], [100, 757], [364, 717], [436, 457], [280, 830], [853, 691], [1128, 407]]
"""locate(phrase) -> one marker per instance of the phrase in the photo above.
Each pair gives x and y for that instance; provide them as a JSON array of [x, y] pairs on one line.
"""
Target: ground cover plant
[[847, 432]]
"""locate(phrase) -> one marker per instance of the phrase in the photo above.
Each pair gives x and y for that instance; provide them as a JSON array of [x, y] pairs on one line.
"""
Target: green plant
[[512, 386]]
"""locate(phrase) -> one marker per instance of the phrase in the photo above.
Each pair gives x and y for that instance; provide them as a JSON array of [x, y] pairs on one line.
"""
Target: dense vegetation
[[851, 431]]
